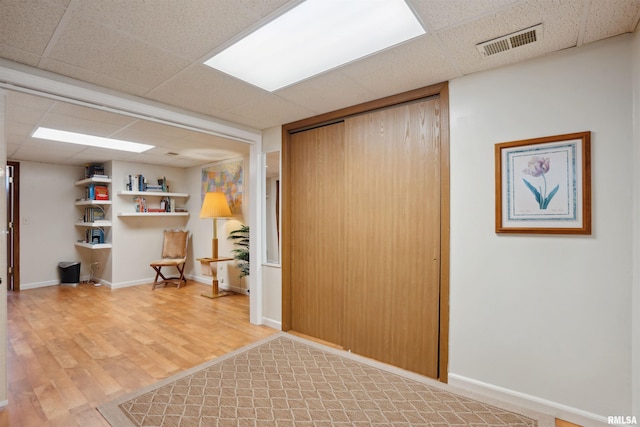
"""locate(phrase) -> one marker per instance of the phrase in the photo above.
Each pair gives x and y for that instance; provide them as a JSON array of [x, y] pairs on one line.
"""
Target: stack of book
[[94, 170]]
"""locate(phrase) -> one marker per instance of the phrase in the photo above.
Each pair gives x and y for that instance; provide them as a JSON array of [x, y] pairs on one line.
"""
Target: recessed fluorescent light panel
[[316, 36], [93, 141]]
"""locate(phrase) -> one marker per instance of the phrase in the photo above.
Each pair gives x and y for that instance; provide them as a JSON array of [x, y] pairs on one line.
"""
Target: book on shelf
[[136, 183], [101, 192], [141, 204], [162, 182], [94, 170], [94, 214], [96, 192], [140, 183], [94, 235]]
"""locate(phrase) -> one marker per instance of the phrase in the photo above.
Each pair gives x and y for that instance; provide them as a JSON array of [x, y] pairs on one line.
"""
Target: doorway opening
[[13, 225]]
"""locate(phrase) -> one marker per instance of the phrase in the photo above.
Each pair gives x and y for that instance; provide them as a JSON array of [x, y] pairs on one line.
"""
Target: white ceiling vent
[[511, 41]]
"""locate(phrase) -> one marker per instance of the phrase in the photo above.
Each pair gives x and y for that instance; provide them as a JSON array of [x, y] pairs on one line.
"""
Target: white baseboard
[[558, 410], [27, 286], [4, 404], [126, 284], [274, 324]]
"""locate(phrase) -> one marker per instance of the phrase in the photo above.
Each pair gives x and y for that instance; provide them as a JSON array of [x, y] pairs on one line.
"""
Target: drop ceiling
[[155, 50]]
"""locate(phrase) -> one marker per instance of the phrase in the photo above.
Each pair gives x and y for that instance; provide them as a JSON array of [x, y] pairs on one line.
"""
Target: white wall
[[546, 316], [202, 233], [47, 226], [636, 227], [272, 274], [47, 217], [138, 240]]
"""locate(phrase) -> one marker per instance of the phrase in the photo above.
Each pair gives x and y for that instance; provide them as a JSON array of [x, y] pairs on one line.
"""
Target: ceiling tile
[[45, 151], [28, 24], [18, 55], [18, 132], [196, 26], [607, 18], [11, 149], [24, 115], [267, 110], [394, 70], [330, 91], [561, 26], [76, 124], [203, 89], [90, 76], [33, 155], [439, 14], [92, 46], [96, 154], [31, 101], [91, 114]]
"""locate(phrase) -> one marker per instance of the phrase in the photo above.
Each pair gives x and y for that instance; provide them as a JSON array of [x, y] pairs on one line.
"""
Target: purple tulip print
[[538, 167]]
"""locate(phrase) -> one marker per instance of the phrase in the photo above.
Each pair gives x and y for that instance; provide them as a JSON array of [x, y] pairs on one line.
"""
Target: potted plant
[[240, 238]]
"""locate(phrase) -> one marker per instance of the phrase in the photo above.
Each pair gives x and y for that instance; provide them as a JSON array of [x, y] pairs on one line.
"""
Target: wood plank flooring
[[71, 349]]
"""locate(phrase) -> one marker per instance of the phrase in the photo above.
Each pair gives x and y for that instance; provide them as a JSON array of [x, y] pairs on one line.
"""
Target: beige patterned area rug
[[285, 380]]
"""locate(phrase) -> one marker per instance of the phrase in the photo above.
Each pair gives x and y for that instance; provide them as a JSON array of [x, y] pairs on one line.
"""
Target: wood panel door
[[316, 183], [393, 235], [365, 249]]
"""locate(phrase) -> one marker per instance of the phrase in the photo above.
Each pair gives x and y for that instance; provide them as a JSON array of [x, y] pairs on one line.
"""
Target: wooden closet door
[[392, 235], [317, 232]]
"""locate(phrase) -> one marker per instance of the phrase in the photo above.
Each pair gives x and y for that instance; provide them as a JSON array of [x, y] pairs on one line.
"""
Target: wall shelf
[[94, 245], [151, 194], [160, 194], [95, 224], [92, 202], [94, 180], [123, 214]]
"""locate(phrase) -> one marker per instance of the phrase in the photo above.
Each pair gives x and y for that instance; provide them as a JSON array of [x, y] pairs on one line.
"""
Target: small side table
[[208, 266]]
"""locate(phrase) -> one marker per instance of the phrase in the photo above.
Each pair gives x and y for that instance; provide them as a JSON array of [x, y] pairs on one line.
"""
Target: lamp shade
[[215, 206]]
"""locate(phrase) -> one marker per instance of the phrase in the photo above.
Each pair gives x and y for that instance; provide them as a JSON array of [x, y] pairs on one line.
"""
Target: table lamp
[[215, 206]]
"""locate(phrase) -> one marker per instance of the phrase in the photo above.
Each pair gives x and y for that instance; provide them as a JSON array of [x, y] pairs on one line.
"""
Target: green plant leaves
[[240, 238]]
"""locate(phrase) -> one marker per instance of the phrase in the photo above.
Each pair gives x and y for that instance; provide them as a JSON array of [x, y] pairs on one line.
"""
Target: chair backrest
[[175, 243]]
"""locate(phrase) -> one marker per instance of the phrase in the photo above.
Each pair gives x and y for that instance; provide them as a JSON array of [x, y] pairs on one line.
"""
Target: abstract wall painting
[[228, 178]]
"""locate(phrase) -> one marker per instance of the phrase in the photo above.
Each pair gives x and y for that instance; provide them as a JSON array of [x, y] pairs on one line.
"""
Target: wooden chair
[[174, 254]]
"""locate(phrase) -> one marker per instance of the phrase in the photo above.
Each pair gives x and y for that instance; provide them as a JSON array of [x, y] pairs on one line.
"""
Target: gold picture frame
[[543, 185]]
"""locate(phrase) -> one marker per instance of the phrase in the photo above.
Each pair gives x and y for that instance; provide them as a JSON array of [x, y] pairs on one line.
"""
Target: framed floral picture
[[543, 185]]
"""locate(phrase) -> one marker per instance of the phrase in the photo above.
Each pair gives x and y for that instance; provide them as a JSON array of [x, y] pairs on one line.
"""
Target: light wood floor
[[71, 349]]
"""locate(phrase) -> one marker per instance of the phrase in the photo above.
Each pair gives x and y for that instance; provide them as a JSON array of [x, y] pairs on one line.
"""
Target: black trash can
[[69, 273]]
